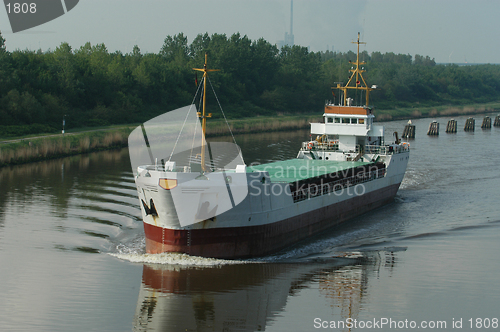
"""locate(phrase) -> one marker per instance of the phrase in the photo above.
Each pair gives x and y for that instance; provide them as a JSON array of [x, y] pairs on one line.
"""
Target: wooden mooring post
[[497, 121], [486, 123], [433, 129], [451, 127], [470, 124], [409, 131]]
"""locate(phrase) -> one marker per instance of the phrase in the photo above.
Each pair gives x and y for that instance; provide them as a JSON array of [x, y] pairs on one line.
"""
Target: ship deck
[[293, 170]]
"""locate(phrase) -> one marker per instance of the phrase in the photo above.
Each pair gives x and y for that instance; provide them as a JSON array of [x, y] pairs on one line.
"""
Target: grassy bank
[[437, 111], [29, 149], [34, 149], [260, 124]]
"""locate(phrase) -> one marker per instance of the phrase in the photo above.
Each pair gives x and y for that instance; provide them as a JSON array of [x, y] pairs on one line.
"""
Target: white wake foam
[[413, 178], [134, 250], [175, 259]]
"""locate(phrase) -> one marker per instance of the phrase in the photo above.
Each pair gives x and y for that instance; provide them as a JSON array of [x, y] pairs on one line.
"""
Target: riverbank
[[29, 149], [417, 111], [260, 124]]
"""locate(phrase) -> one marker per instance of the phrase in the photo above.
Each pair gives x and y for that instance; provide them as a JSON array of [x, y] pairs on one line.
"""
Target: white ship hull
[[267, 220]]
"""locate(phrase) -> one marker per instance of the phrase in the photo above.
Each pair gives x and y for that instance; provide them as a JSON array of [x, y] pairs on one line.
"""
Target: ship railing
[[316, 146], [314, 190], [387, 149], [327, 146]]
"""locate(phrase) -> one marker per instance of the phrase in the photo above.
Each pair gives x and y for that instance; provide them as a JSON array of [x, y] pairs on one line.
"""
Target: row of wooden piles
[[451, 127]]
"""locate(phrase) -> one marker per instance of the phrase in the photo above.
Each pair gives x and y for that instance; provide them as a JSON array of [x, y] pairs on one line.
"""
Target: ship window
[[361, 121], [337, 120], [354, 121], [330, 120], [345, 120]]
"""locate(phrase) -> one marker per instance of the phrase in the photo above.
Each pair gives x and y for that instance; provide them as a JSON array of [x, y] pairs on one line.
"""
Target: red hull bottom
[[252, 241]]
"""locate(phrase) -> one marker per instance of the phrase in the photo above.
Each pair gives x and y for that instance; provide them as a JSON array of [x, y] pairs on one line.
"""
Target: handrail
[[328, 146], [374, 149], [387, 149]]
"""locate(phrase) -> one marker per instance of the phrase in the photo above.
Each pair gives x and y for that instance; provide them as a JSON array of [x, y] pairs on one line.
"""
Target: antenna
[[203, 115], [356, 77]]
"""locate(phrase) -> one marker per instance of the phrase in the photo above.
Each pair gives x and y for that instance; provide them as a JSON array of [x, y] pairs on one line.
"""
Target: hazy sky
[[447, 30]]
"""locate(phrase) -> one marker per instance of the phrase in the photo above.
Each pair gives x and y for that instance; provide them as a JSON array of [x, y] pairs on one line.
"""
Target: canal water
[[72, 251]]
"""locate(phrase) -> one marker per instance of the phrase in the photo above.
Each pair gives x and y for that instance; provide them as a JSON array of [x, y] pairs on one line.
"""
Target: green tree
[[199, 46], [23, 107], [175, 49], [3, 48], [6, 70], [136, 52], [66, 73]]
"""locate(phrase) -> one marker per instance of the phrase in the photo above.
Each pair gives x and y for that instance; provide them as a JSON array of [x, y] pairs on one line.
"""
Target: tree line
[[90, 86]]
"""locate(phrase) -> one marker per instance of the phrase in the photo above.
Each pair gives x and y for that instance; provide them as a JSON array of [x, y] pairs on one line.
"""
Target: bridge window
[[345, 120], [337, 120], [361, 121], [330, 120], [354, 121]]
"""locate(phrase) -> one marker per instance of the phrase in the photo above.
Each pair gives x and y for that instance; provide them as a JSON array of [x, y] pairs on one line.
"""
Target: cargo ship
[[202, 199]]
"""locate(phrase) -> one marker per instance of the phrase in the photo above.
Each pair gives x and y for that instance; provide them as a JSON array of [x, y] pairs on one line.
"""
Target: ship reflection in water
[[248, 297]]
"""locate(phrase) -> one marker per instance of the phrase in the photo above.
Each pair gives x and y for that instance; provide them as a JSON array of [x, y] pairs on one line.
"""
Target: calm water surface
[[72, 251]]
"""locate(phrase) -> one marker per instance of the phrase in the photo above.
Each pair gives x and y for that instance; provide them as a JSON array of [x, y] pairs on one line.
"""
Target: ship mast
[[358, 73], [202, 114]]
